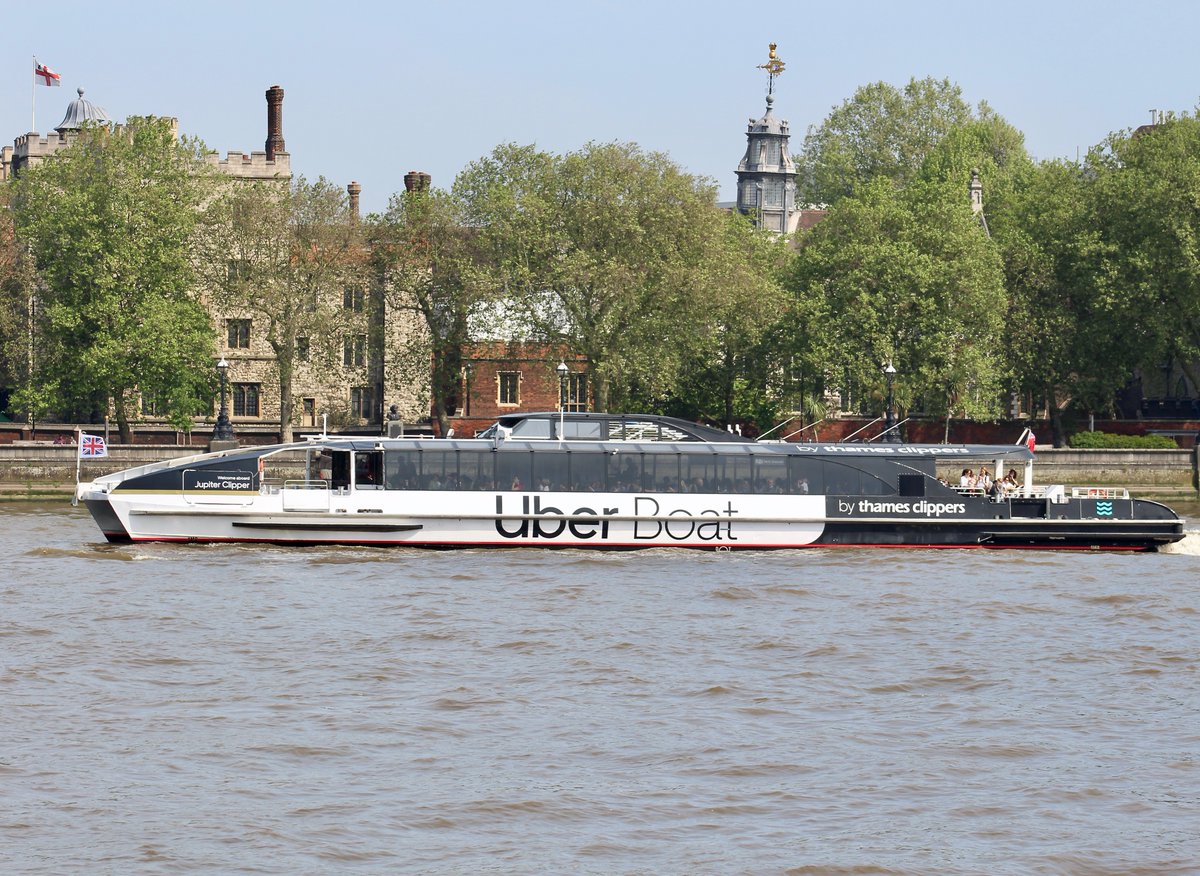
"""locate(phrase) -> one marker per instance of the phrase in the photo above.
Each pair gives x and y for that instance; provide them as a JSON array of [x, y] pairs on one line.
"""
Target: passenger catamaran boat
[[593, 480]]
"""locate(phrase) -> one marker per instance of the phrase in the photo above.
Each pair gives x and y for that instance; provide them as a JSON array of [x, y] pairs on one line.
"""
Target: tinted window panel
[[624, 472], [771, 474], [587, 472], [513, 470], [549, 471], [400, 469], [661, 472]]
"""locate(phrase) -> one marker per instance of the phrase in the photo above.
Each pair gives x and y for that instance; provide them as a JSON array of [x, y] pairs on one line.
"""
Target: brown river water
[[243, 709]]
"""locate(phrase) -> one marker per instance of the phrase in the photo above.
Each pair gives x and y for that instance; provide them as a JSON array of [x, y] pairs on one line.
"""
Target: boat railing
[[1099, 493], [305, 495]]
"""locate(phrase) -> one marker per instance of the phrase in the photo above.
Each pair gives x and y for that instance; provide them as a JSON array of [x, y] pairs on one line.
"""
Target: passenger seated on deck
[[968, 479]]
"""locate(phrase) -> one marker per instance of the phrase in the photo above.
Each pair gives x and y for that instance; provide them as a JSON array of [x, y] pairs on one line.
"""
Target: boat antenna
[[804, 429], [778, 426], [889, 429], [856, 431]]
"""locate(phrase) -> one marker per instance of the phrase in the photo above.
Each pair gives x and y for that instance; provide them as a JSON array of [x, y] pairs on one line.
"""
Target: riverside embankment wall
[[37, 469]]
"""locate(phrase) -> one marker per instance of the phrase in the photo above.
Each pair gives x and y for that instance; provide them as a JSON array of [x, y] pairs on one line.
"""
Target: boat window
[[771, 474], [587, 472], [660, 472], [806, 475], [514, 470], [642, 430], [400, 469], [339, 469], [532, 429], [841, 478], [912, 484], [580, 430], [624, 472], [736, 475], [549, 470], [475, 470], [877, 477], [439, 470], [700, 472], [368, 470]]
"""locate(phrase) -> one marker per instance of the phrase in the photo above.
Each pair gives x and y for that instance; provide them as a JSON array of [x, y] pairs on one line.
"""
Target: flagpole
[[33, 97], [78, 463]]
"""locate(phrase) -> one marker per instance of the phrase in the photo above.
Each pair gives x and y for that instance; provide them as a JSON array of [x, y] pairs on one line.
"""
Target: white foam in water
[[1190, 546]]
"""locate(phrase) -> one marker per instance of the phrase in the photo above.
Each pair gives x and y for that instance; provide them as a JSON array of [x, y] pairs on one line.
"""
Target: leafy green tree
[[108, 221], [428, 262], [16, 306], [1050, 242], [906, 277], [880, 132], [605, 251], [283, 255], [734, 374], [1146, 187]]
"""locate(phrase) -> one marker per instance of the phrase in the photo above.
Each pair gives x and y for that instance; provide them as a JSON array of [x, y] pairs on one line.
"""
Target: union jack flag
[[91, 446]]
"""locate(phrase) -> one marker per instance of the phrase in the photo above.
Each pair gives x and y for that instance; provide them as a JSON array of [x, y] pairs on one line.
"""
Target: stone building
[[350, 385]]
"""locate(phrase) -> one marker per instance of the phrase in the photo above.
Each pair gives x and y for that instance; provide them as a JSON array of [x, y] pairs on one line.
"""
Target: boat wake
[[1189, 545]]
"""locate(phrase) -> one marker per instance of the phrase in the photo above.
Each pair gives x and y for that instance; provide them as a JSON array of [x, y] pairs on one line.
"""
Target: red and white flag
[[48, 76]]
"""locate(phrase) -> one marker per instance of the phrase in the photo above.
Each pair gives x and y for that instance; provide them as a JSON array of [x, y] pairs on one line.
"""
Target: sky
[[375, 89]]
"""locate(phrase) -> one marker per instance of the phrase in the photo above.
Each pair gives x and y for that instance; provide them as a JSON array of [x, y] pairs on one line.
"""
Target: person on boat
[[967, 480], [983, 481]]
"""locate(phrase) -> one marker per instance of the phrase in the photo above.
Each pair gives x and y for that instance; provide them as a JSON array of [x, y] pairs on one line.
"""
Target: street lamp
[[889, 372], [224, 428], [563, 371]]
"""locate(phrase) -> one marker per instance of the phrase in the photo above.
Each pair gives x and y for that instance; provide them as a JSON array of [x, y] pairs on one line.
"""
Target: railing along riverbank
[[36, 469]]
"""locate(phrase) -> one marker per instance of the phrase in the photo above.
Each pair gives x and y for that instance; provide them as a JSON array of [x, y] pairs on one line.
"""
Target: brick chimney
[[274, 122], [417, 181], [354, 190]]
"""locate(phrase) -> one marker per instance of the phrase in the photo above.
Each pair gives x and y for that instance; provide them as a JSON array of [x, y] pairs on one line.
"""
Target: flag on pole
[[48, 76], [91, 446]]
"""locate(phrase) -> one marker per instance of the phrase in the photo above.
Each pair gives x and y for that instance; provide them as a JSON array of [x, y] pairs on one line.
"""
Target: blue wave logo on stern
[[1104, 509]]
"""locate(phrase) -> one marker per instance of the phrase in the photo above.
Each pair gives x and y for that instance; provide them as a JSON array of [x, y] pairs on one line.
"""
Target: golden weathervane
[[774, 67]]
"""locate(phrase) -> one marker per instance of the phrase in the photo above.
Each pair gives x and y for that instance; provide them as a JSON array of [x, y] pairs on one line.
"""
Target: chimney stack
[[354, 190], [417, 181], [274, 122]]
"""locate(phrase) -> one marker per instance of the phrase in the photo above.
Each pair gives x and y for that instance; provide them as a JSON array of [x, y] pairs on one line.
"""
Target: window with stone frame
[[354, 351], [354, 299], [245, 399], [508, 386], [302, 349], [237, 334], [362, 402]]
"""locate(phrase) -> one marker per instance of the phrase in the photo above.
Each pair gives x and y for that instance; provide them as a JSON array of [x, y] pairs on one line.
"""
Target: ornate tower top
[[767, 174], [774, 67]]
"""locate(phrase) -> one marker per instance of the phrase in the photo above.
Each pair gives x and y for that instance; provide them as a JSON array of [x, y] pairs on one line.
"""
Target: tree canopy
[[607, 250], [881, 132], [108, 222], [908, 278]]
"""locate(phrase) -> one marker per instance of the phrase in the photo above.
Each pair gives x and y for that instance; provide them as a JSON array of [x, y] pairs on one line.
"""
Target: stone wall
[[36, 468]]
